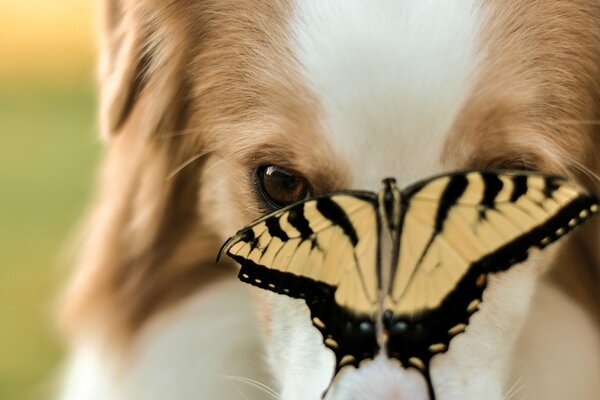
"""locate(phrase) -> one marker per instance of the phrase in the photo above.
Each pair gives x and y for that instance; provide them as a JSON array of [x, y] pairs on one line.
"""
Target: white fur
[[302, 365], [191, 352], [391, 76]]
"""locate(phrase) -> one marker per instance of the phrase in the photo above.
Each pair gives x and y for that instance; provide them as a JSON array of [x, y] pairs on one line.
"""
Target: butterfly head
[[388, 183]]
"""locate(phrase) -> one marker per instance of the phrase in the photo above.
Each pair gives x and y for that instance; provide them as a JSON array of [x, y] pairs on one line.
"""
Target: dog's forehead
[[390, 78]]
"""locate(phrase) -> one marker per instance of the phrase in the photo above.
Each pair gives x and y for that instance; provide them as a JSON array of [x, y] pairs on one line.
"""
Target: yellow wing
[[483, 219], [455, 230], [323, 250], [328, 242]]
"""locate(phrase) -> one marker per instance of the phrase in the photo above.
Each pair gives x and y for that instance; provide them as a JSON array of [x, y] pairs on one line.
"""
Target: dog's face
[[242, 107], [406, 89]]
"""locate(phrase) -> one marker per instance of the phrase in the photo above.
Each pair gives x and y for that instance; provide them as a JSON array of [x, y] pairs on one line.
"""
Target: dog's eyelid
[[517, 164], [262, 155]]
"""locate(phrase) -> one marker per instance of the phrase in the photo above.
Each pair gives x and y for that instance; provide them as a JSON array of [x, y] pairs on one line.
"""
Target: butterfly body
[[403, 271]]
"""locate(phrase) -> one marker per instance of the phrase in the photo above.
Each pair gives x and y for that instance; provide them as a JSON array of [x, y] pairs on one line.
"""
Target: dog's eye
[[281, 187]]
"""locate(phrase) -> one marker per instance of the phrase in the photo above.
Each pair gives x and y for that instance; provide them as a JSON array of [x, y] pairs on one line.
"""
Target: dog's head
[[217, 112]]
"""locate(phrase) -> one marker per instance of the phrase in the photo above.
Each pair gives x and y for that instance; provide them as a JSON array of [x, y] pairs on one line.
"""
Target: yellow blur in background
[[48, 152]]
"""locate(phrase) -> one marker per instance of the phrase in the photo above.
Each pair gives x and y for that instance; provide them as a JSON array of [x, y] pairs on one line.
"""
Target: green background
[[49, 150]]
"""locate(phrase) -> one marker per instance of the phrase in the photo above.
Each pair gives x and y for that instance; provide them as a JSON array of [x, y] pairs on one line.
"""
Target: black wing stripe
[[492, 186], [334, 213], [248, 236], [550, 186], [519, 187], [275, 229], [299, 222], [452, 193]]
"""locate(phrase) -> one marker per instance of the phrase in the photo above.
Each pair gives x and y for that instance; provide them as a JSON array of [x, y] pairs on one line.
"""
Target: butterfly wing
[[323, 250], [455, 230]]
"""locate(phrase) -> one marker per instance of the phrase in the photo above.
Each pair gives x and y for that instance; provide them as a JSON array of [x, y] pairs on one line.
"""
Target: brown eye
[[281, 187]]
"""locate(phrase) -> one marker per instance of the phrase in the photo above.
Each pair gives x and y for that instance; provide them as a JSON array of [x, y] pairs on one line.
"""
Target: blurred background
[[48, 155]]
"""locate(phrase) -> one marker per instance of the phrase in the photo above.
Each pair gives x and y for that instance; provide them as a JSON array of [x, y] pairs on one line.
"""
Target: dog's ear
[[145, 245], [121, 64], [133, 59]]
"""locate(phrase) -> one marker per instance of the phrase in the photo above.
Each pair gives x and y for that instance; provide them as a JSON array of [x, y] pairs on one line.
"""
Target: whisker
[[239, 391], [177, 133], [585, 170], [256, 384], [186, 163], [515, 389], [508, 394]]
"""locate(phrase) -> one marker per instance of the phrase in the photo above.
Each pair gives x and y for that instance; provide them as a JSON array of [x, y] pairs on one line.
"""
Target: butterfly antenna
[[222, 249]]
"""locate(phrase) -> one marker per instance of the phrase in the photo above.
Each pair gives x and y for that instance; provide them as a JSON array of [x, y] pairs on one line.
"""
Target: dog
[[217, 112]]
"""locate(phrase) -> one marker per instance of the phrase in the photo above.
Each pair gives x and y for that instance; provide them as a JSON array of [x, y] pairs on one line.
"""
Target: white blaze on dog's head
[[390, 76]]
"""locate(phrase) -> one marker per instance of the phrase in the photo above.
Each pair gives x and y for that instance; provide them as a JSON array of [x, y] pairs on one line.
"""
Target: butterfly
[[405, 270]]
